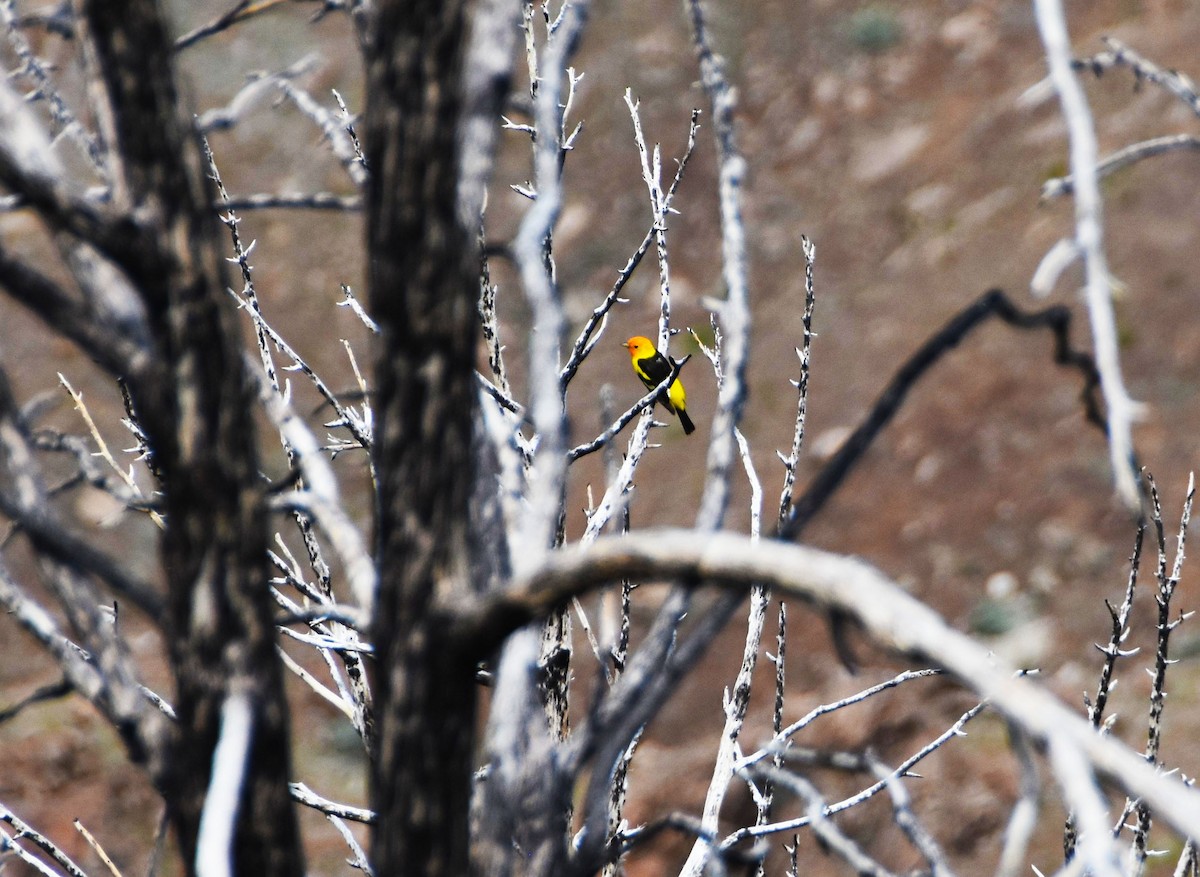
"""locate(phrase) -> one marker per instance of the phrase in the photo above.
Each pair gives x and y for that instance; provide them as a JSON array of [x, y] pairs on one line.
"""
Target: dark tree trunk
[[195, 403], [423, 283]]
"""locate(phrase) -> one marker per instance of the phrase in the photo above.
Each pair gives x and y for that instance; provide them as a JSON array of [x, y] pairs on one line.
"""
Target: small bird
[[653, 368]]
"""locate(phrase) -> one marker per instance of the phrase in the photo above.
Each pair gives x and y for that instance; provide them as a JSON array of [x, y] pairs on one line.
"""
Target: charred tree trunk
[[423, 283], [195, 403]]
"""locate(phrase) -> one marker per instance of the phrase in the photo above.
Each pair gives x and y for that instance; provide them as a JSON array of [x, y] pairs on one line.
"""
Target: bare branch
[[592, 329], [824, 828], [780, 741], [56, 541], [336, 127], [736, 703], [1120, 631], [306, 796], [734, 311], [540, 523], [652, 177], [116, 349], [45, 89], [804, 353], [487, 74], [24, 830], [47, 692], [242, 10], [1120, 55], [993, 303], [99, 850], [320, 499], [646, 403], [1122, 410], [1023, 818], [296, 201], [360, 855], [257, 84], [887, 614], [1165, 626], [1122, 159], [28, 167], [1095, 851], [762, 830], [907, 821]]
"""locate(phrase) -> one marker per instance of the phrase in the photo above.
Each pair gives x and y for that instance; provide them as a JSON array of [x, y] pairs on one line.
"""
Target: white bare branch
[[1089, 235]]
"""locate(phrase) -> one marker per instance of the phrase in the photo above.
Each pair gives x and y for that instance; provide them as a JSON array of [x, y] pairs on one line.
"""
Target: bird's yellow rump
[[653, 368]]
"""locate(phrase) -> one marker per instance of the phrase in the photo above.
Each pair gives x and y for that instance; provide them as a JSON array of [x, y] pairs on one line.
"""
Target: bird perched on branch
[[653, 368]]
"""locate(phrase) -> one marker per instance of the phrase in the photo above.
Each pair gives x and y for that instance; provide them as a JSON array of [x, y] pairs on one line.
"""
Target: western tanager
[[653, 368]]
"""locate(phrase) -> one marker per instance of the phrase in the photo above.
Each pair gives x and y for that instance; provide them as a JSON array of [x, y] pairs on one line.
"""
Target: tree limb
[[890, 616]]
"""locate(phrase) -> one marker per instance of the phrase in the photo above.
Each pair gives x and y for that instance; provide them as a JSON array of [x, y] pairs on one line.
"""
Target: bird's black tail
[[688, 426]]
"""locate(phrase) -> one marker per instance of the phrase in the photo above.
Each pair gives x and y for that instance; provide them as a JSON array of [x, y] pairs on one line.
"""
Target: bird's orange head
[[640, 347]]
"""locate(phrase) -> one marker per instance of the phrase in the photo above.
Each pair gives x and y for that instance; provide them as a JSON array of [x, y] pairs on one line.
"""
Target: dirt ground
[[895, 137]]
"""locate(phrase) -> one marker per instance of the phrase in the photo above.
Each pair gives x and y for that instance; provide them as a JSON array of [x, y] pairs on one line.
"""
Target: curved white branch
[[886, 613]]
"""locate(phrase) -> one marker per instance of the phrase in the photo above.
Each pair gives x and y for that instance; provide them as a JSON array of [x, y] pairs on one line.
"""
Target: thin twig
[[644, 404], [906, 820], [592, 329], [1120, 55], [243, 10], [1022, 818], [296, 201], [817, 815], [1121, 159], [97, 848], [306, 796], [1165, 626], [871, 791], [62, 688], [125, 475], [779, 742], [24, 830], [804, 354], [46, 89]]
